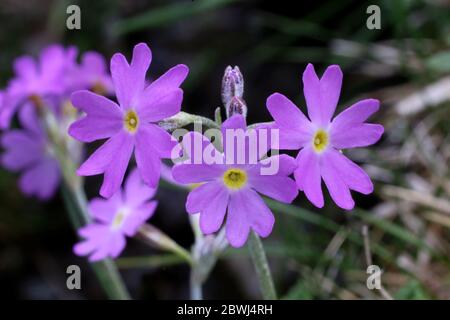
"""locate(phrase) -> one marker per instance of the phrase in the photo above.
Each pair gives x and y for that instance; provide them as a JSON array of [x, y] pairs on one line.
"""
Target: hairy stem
[[259, 259]]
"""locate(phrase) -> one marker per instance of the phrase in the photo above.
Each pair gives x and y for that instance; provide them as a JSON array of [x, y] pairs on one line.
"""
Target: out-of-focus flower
[[321, 138], [29, 151], [37, 80], [227, 184], [91, 73], [131, 124], [116, 218]]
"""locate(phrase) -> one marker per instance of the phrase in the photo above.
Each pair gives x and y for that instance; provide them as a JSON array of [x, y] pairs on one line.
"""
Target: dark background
[[271, 42]]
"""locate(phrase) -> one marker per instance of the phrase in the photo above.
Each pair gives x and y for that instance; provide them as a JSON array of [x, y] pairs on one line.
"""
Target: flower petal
[[136, 192], [330, 90], [129, 80], [197, 173], [41, 180], [117, 244], [29, 119], [94, 234], [104, 210], [355, 114], [96, 105], [247, 209], [277, 187], [311, 90], [322, 95], [165, 106], [198, 149], [93, 61], [92, 128], [212, 215], [339, 191], [237, 227], [285, 113], [259, 215], [351, 174], [236, 121], [173, 78], [138, 217], [307, 176], [101, 158], [148, 156], [115, 170], [157, 138], [198, 198], [358, 135], [283, 164], [25, 67], [168, 82], [21, 150], [10, 104]]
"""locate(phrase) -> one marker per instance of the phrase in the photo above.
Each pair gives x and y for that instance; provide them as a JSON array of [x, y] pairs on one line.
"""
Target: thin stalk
[[152, 261], [262, 267], [196, 278], [158, 239], [105, 270], [195, 286], [76, 203]]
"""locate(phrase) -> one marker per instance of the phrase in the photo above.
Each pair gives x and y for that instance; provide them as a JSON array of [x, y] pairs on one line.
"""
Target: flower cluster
[[38, 84], [228, 192]]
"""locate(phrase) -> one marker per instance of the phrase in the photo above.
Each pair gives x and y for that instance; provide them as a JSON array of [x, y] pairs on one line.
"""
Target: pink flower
[[115, 218], [130, 125], [227, 186], [28, 150], [320, 138], [36, 80]]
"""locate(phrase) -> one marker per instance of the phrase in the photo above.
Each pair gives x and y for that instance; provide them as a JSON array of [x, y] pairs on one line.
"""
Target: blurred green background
[[315, 254]]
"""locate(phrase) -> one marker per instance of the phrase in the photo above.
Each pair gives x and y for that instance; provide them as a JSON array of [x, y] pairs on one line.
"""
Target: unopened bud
[[236, 106], [232, 85]]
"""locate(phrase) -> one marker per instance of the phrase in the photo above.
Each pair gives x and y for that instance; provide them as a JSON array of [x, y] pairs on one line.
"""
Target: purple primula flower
[[234, 187], [36, 80], [28, 150], [115, 218], [92, 74], [131, 124], [321, 138]]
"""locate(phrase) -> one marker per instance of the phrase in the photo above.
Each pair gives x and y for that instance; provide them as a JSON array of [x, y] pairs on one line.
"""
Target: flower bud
[[236, 106], [232, 85]]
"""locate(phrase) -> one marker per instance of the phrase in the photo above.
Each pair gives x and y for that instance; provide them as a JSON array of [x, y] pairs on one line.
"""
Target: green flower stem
[[153, 261], [105, 270], [76, 203], [156, 238], [262, 267]]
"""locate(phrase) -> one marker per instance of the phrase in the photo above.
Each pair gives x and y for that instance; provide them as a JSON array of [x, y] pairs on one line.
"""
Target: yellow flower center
[[235, 178], [118, 219], [131, 121], [320, 140]]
